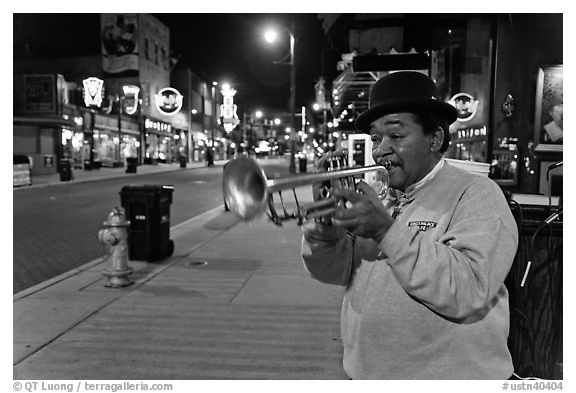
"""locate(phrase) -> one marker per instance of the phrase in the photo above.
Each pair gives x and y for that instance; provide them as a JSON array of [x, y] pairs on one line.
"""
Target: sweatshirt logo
[[423, 225]]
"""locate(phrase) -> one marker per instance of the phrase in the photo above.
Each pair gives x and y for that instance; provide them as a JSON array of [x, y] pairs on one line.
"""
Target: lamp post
[[292, 63], [210, 151], [244, 126], [120, 105]]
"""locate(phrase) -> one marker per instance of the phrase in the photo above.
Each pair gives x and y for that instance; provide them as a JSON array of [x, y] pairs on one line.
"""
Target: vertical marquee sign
[[228, 108]]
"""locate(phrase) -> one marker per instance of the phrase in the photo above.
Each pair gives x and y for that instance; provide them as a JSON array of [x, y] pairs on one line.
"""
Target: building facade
[[490, 66], [136, 117]]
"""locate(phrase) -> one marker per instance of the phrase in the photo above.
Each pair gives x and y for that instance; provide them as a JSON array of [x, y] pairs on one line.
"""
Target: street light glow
[[270, 36], [258, 114]]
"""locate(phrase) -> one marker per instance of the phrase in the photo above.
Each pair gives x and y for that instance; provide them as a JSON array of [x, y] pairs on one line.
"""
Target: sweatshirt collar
[[412, 189]]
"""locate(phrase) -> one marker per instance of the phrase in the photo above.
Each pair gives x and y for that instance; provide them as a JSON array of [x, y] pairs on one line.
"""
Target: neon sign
[[228, 108], [169, 101], [466, 106], [130, 98], [93, 90]]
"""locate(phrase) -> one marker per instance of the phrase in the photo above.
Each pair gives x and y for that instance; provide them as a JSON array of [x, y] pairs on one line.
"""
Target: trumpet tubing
[[247, 191]]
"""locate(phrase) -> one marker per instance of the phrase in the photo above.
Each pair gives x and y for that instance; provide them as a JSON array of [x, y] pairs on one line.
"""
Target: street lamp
[[270, 36]]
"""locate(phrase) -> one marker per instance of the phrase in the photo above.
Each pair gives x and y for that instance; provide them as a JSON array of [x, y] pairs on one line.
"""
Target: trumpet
[[247, 190]]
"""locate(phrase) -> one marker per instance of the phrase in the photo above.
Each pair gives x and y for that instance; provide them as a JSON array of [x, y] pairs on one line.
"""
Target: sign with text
[[119, 42], [40, 93]]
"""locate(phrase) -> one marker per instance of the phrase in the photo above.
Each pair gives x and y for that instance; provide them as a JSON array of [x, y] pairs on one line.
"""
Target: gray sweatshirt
[[429, 301]]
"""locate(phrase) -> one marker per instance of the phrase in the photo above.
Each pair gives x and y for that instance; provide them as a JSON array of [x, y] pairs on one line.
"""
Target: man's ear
[[437, 139]]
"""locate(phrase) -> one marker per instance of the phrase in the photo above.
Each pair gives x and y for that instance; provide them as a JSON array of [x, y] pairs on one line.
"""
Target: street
[[55, 228]]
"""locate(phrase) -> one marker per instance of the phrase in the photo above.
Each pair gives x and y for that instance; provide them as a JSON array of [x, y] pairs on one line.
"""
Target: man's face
[[399, 139]]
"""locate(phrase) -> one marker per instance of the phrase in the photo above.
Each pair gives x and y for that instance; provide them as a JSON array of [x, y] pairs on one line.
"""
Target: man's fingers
[[365, 189], [322, 163], [349, 195], [345, 222]]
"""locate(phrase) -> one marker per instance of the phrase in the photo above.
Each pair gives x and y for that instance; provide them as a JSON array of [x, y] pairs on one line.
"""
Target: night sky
[[217, 47]]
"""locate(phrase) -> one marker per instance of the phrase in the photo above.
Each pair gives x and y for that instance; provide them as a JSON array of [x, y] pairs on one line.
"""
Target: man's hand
[[322, 190], [367, 217]]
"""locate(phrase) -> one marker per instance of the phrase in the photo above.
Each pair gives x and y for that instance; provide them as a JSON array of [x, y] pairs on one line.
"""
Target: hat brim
[[443, 109]]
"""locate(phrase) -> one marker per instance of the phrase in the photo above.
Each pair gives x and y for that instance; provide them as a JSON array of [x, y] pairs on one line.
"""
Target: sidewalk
[[81, 176], [233, 302]]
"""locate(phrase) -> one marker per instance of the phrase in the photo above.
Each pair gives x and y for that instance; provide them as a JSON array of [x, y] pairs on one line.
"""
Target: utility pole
[[292, 167]]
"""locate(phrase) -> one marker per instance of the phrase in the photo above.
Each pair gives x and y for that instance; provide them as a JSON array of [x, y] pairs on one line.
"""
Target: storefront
[[180, 146], [111, 141], [159, 142], [45, 140]]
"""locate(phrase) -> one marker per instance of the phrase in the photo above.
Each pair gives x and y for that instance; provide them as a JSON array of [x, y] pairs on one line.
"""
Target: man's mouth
[[388, 164]]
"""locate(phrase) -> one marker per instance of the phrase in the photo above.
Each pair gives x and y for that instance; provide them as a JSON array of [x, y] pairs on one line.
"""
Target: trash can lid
[[148, 187], [21, 159]]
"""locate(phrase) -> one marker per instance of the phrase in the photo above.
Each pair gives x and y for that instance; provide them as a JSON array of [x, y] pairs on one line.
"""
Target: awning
[[350, 93], [45, 121], [351, 89]]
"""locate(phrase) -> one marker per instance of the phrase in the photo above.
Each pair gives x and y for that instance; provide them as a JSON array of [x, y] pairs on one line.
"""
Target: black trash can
[[148, 210], [183, 161], [303, 164], [131, 164], [65, 169]]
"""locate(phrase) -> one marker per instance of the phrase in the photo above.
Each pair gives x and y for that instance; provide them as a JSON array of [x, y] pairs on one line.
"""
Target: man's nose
[[381, 148]]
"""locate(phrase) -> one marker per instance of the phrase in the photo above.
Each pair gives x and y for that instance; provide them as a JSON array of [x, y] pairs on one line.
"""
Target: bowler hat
[[405, 91]]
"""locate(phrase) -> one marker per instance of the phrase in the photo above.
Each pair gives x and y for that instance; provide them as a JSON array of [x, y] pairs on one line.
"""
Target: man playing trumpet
[[424, 269]]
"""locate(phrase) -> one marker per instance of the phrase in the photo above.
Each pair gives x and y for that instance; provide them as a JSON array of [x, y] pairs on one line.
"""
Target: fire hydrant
[[115, 239]]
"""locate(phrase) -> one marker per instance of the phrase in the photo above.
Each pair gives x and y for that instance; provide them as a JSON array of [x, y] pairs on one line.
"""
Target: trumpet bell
[[244, 188]]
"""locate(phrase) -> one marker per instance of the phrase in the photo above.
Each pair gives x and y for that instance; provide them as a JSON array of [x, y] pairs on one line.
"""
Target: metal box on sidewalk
[[148, 210], [66, 173], [131, 165], [302, 164]]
